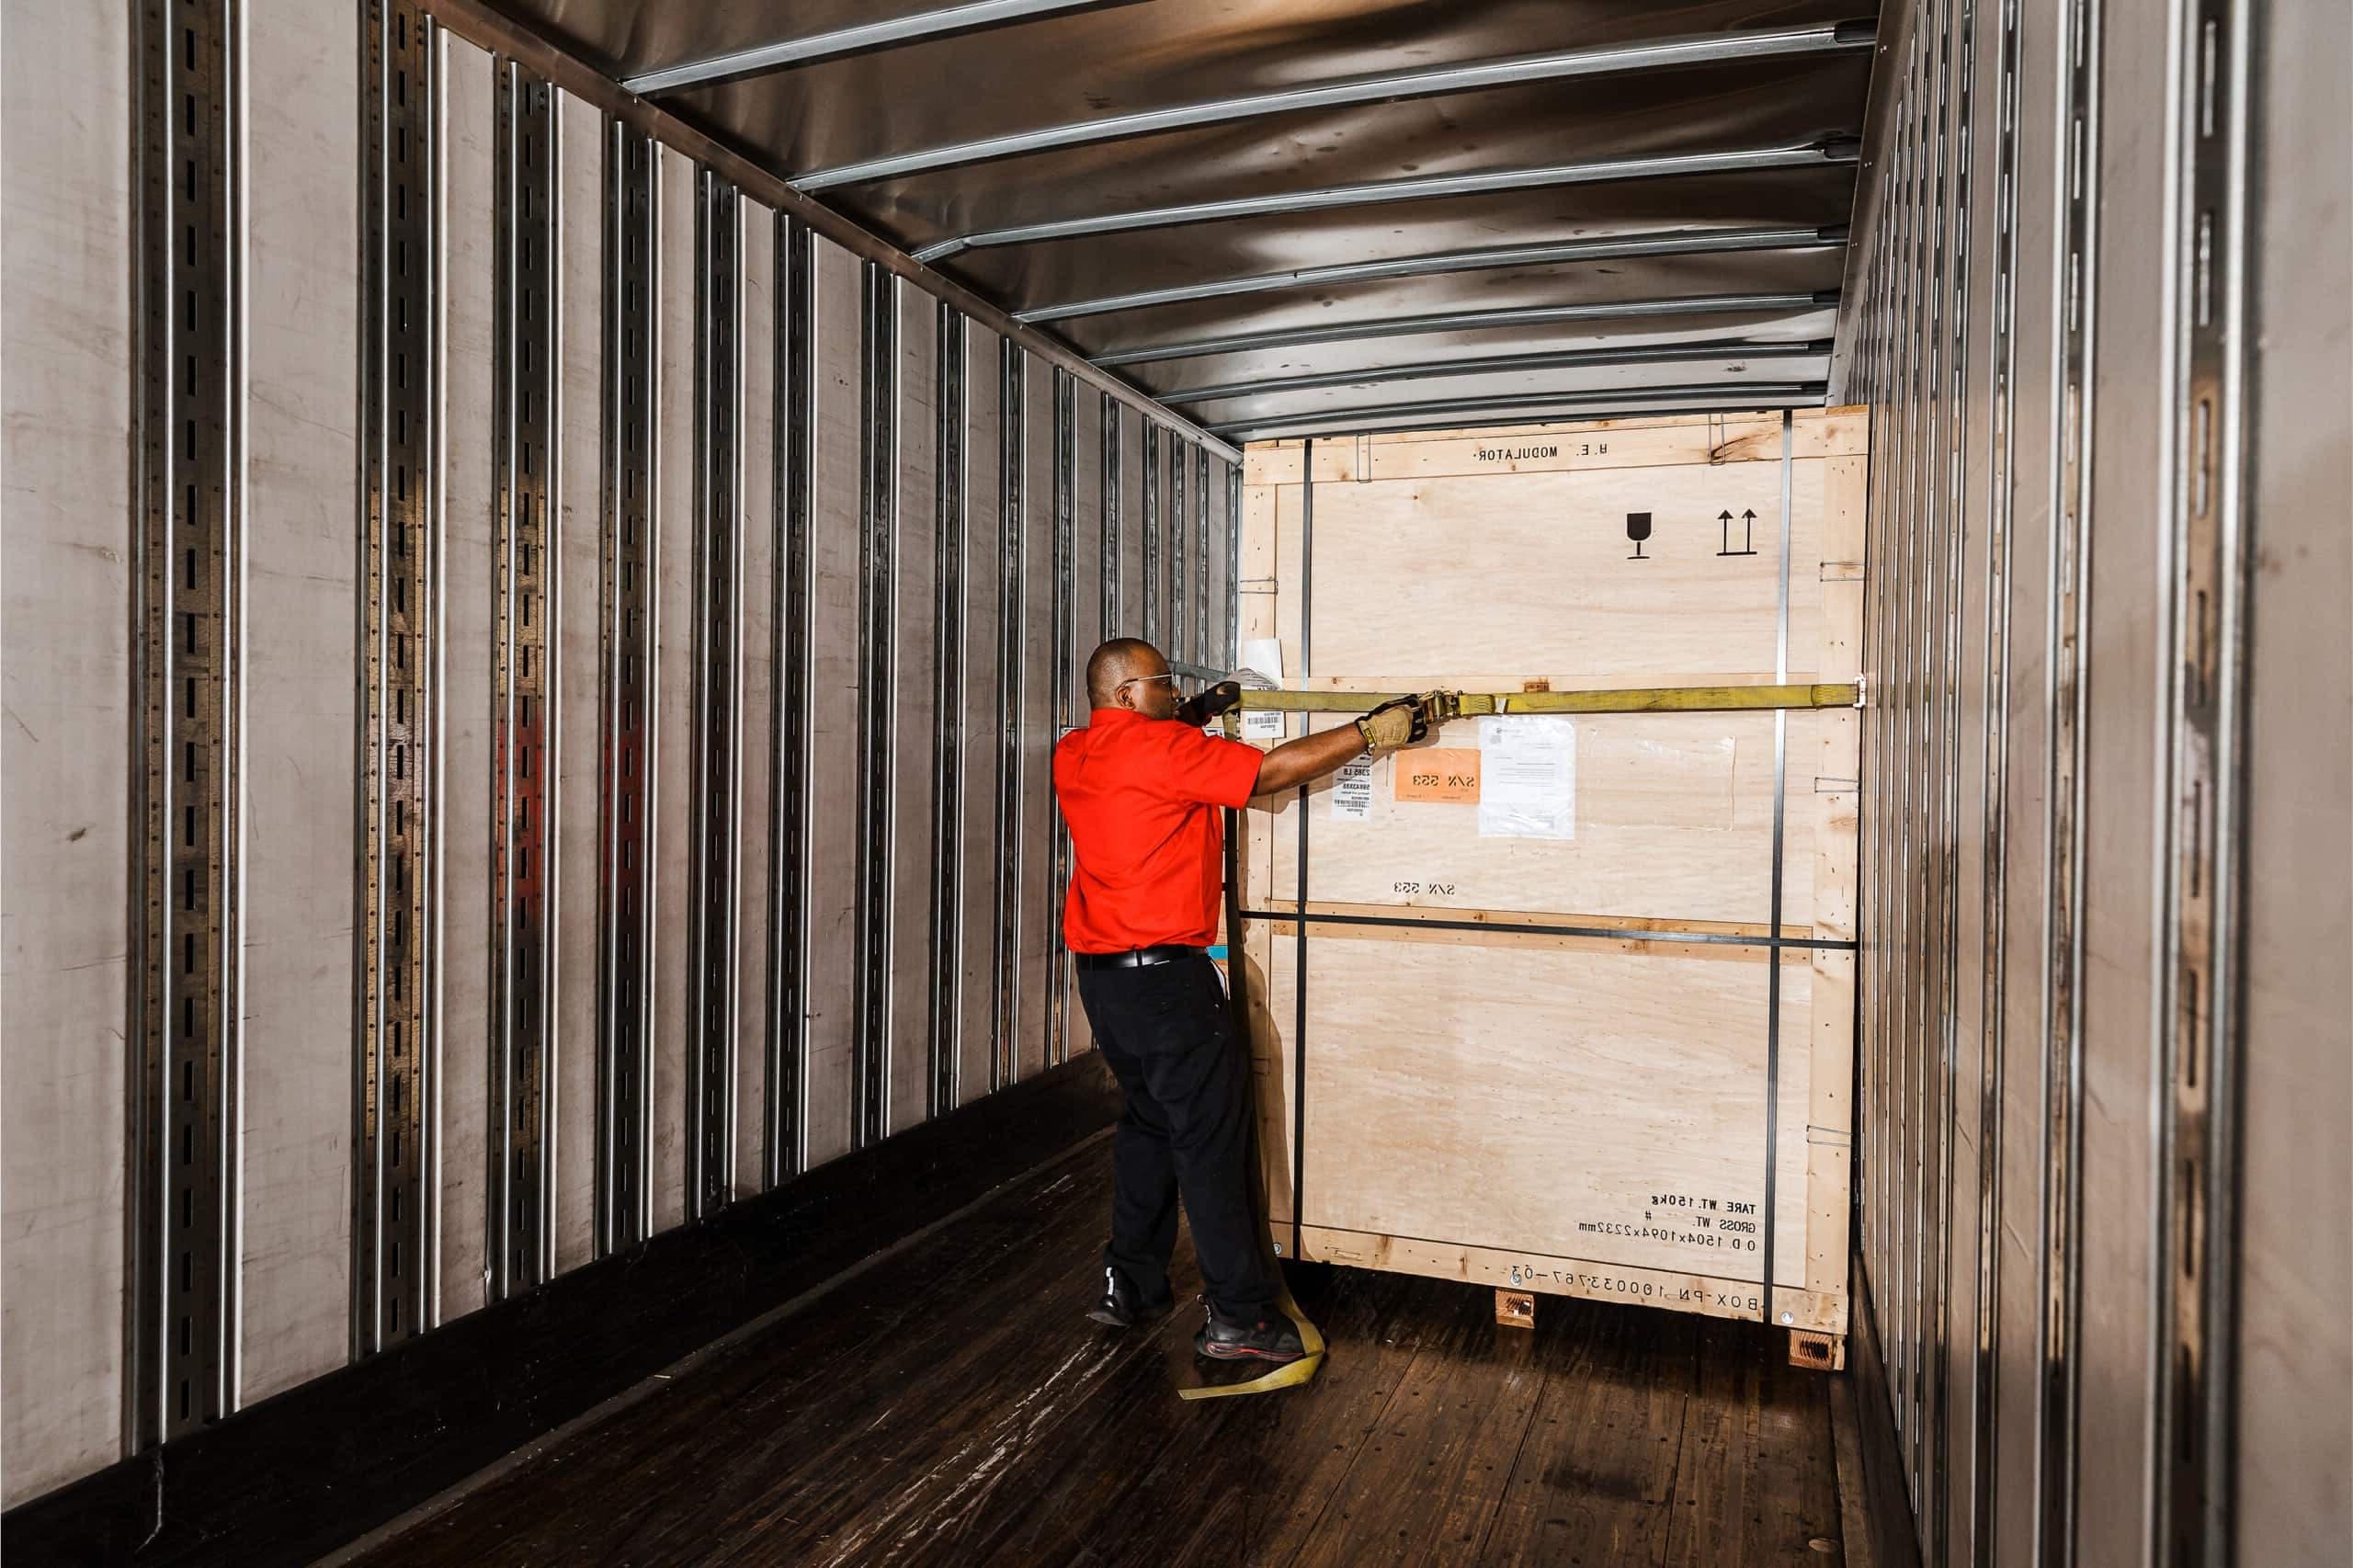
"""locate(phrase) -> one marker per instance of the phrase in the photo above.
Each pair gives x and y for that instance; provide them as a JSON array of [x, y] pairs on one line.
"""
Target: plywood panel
[[301, 698], [65, 811], [1536, 574], [578, 513], [755, 471], [1039, 943], [1570, 1104], [833, 741], [1674, 818], [464, 697], [915, 667], [984, 849]]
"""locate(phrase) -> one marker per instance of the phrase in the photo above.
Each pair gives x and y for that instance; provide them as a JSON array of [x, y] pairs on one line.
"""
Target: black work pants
[[1165, 1031]]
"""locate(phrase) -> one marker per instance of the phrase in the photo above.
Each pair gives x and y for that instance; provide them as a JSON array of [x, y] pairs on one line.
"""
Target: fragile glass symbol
[[1638, 529]]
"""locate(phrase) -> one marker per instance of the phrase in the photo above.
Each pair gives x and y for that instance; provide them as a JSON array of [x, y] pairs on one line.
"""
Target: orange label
[[1439, 776]]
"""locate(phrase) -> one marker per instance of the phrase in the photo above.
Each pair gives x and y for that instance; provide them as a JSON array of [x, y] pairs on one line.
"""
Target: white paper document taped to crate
[[1527, 777], [1352, 790], [1262, 656]]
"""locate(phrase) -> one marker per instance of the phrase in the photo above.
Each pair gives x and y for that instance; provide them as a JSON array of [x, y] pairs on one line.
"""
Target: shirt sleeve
[[1208, 769]]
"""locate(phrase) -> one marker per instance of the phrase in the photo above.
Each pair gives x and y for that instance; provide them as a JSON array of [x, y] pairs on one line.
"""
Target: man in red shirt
[[1141, 790]]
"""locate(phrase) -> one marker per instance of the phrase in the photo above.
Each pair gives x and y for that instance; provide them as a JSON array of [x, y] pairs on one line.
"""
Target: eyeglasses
[[1133, 680]]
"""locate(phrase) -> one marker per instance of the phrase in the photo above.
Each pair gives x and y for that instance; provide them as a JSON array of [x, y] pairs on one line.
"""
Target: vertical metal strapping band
[[1992, 955], [394, 1292], [1203, 652], [182, 1201], [2068, 677], [1298, 950], [714, 808], [791, 636], [2198, 957], [1107, 612], [519, 1251], [1011, 607], [630, 572], [1059, 704], [1773, 918], [1232, 565], [878, 609], [1153, 577], [1179, 646]]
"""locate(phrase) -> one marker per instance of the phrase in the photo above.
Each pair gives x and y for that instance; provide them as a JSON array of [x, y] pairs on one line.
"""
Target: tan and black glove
[[1400, 722], [1408, 721]]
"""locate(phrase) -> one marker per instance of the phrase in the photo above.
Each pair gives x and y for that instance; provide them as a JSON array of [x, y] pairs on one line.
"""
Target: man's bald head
[[1115, 663]]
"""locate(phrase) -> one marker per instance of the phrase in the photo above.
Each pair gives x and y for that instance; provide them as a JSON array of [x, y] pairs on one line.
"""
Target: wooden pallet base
[[1515, 1309]]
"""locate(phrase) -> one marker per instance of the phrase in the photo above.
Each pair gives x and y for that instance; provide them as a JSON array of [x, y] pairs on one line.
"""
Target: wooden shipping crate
[[1562, 1054]]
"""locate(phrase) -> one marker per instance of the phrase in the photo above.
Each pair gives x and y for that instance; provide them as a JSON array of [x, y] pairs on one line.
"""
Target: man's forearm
[[1308, 758]]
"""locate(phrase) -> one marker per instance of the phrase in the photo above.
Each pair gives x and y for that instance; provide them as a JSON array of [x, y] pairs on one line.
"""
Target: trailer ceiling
[[1313, 216]]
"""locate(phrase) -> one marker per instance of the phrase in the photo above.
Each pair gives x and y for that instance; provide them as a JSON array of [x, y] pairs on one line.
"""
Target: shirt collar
[[1099, 718]]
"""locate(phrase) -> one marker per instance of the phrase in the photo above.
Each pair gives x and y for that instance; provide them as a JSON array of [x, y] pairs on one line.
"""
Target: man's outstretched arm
[[1399, 721]]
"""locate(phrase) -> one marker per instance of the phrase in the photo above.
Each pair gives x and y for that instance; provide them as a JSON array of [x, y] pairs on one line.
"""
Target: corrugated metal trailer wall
[[518, 760], [2104, 1185]]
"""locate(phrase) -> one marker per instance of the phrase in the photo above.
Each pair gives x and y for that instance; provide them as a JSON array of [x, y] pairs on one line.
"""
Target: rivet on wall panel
[[181, 1288]]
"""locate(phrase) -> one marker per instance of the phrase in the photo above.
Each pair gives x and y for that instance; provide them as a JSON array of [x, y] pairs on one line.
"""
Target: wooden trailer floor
[[948, 1404]]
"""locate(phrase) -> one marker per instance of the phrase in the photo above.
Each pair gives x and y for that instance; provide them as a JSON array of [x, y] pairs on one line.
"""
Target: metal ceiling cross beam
[[1481, 259], [1462, 320], [1374, 193], [1563, 360], [1388, 88], [864, 38]]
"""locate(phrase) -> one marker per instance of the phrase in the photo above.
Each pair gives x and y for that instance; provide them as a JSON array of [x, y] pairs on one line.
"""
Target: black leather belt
[[1137, 958]]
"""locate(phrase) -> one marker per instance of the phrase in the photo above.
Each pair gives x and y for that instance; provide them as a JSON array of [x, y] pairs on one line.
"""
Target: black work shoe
[[1121, 1307], [1264, 1339]]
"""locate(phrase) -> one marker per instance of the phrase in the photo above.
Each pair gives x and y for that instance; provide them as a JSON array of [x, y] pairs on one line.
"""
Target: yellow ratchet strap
[[1632, 699]]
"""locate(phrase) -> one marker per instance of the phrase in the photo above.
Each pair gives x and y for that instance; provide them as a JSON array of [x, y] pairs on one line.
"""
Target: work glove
[[1400, 722], [1210, 702]]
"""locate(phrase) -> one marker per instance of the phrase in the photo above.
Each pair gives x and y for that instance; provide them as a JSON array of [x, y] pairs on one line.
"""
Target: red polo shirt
[[1140, 796]]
